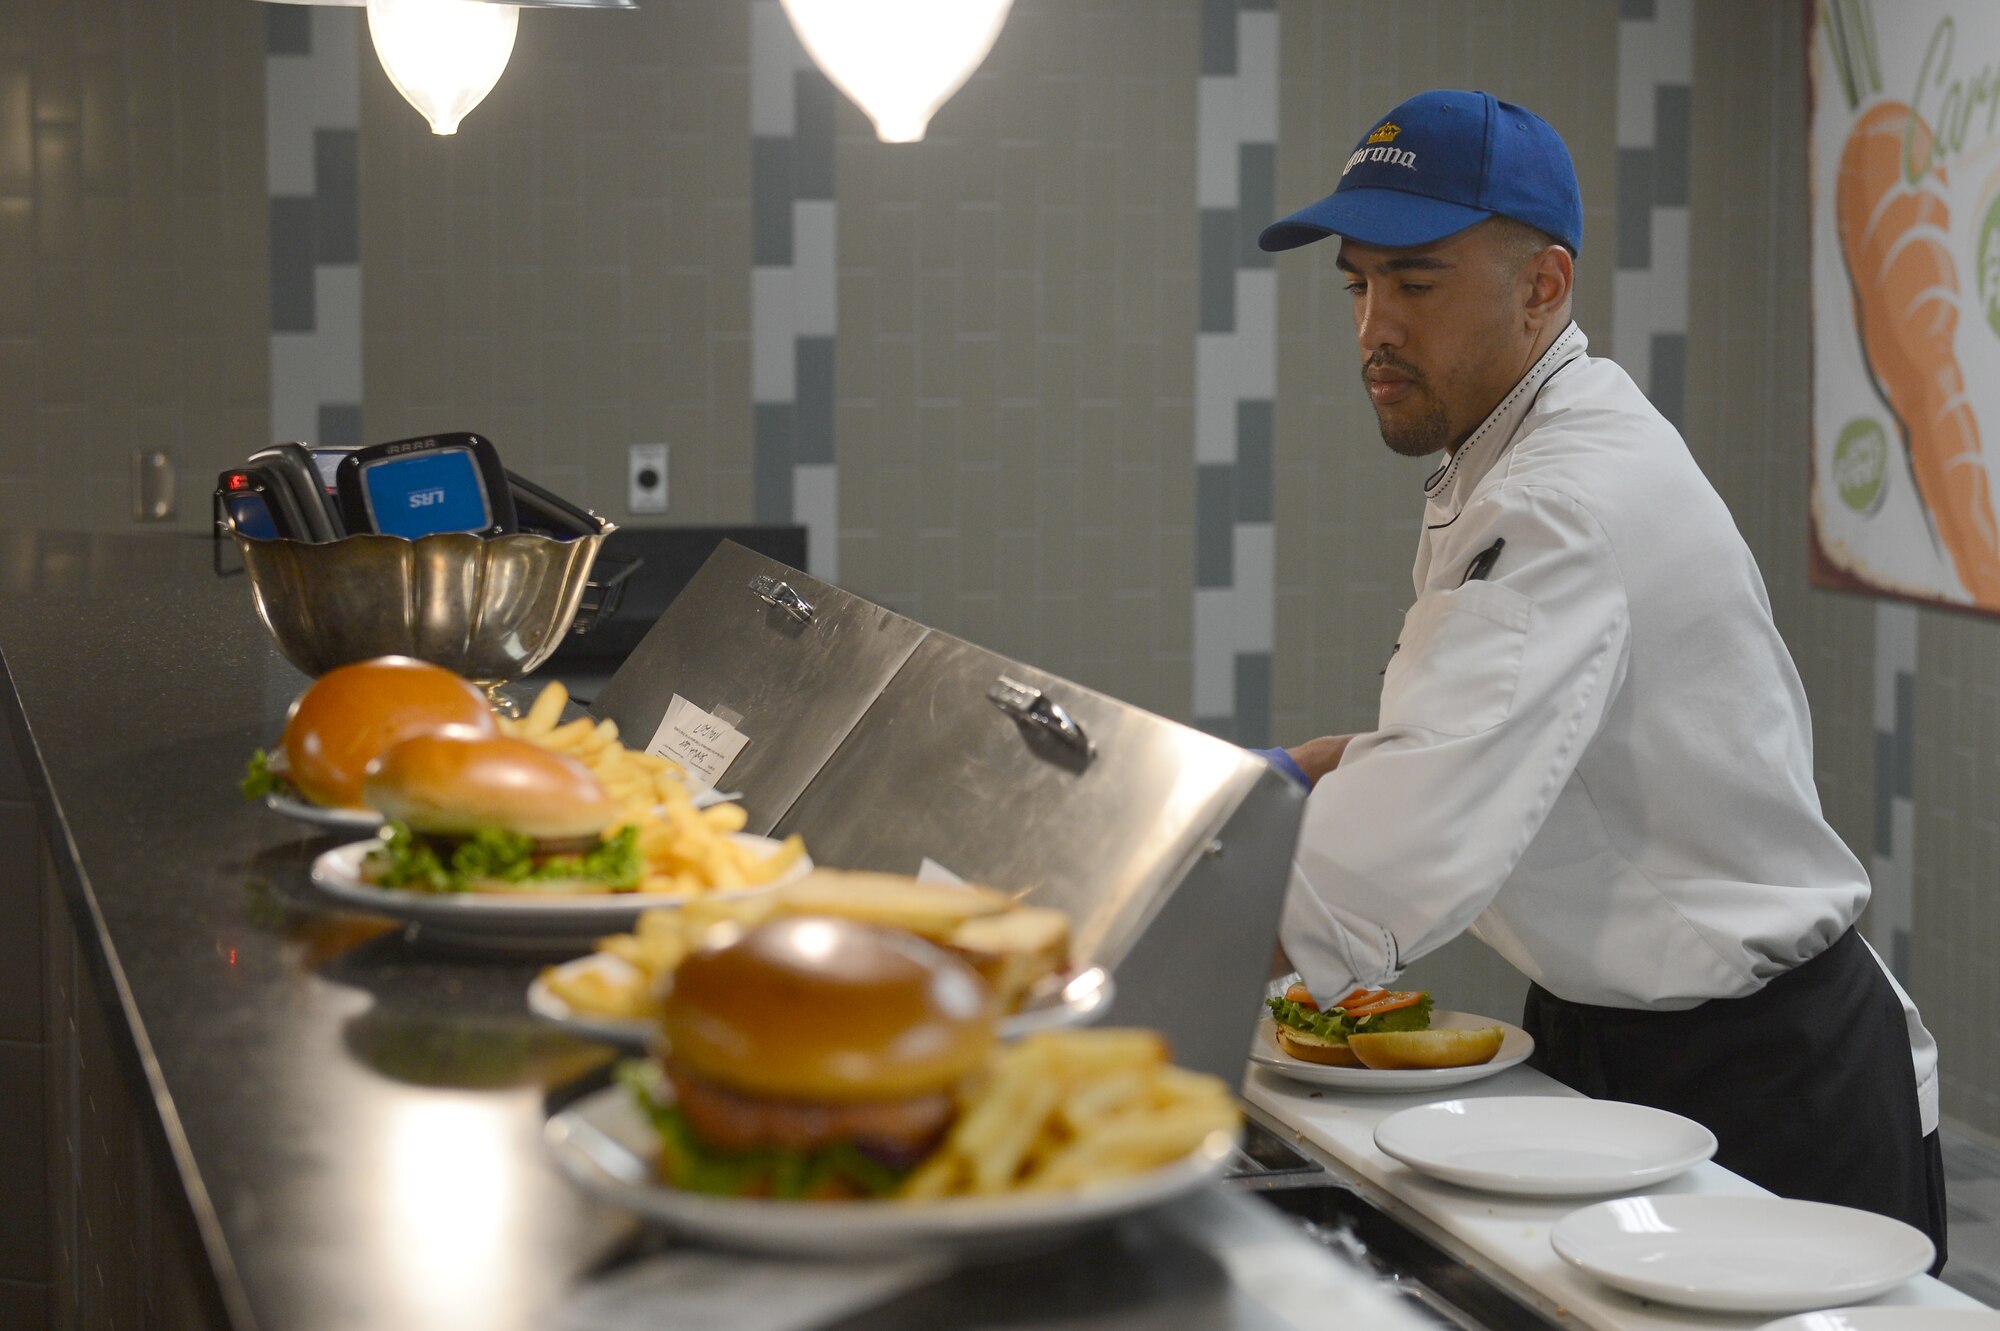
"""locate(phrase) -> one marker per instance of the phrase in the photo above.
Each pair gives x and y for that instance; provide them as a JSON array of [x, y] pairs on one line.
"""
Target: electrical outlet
[[646, 479]]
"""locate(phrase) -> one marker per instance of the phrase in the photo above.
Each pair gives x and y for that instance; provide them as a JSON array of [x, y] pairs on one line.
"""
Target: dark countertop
[[355, 1118]]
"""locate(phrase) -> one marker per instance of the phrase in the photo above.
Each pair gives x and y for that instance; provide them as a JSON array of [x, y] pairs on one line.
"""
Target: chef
[[1593, 751]]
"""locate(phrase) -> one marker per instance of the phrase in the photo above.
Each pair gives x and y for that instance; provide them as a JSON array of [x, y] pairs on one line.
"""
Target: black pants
[[1806, 1083]]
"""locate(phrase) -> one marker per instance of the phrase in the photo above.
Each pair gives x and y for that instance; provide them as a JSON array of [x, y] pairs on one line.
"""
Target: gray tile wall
[[1016, 350], [132, 251], [569, 273]]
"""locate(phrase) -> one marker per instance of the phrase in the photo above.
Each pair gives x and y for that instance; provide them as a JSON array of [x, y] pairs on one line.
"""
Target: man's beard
[[1418, 437]]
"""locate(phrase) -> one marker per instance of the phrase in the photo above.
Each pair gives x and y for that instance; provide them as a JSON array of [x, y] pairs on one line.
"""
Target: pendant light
[[444, 56], [898, 60]]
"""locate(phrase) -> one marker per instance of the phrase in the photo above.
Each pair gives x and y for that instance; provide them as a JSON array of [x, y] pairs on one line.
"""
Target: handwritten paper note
[[698, 740]]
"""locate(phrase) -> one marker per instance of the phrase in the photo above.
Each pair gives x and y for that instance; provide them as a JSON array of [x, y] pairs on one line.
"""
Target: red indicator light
[[239, 480]]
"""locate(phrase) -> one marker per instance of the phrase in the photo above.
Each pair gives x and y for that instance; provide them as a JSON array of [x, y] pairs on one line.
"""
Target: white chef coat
[[1598, 758]]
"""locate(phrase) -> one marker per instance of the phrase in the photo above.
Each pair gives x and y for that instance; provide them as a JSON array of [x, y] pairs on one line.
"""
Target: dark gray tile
[[24, 1191], [1218, 270], [293, 253], [1906, 732], [1899, 955], [812, 423], [288, 30], [1253, 699], [340, 425], [1256, 201], [1635, 9], [13, 776], [771, 435], [770, 202], [20, 925], [1673, 131], [1885, 793], [1256, 6], [25, 1307], [337, 194], [1635, 208], [1255, 472], [1218, 36], [814, 102], [1214, 525], [1669, 390]]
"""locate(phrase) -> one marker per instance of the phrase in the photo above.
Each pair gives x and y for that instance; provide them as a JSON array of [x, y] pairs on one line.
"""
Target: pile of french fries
[[1070, 1110], [687, 851]]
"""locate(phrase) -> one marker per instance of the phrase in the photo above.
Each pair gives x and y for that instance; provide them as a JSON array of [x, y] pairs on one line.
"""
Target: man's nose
[[1377, 324]]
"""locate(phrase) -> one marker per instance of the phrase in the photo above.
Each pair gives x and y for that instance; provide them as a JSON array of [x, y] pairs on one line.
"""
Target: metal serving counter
[[257, 1112]]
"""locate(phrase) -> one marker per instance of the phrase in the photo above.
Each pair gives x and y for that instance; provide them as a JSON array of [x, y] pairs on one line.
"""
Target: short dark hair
[[1518, 242]]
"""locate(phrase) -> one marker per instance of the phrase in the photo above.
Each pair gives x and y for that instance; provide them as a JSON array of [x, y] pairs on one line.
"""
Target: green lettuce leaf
[[408, 860], [258, 778], [689, 1163], [1336, 1025]]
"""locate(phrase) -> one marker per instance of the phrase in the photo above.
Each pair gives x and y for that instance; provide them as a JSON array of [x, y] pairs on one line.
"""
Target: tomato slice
[[1301, 995], [1357, 996], [1386, 1002]]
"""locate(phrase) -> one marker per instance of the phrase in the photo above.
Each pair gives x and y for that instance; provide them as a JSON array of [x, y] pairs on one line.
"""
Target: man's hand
[[1317, 757]]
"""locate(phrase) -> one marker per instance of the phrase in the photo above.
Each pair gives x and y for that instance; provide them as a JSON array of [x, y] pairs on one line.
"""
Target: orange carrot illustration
[[1894, 239]]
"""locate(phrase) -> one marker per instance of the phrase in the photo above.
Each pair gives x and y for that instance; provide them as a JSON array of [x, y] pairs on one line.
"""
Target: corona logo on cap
[[1386, 133], [1378, 149]]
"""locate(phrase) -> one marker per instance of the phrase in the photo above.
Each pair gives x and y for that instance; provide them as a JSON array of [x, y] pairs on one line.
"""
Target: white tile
[[1632, 323], [773, 54], [1214, 653], [1215, 142], [1635, 83], [1257, 76], [288, 126], [1673, 41], [1214, 397], [1256, 374], [816, 507], [773, 368], [815, 268], [337, 320], [337, 38], [1256, 572], [1670, 270]]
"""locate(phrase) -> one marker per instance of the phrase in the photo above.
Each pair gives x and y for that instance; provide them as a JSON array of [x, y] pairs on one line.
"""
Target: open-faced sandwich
[[1376, 1028]]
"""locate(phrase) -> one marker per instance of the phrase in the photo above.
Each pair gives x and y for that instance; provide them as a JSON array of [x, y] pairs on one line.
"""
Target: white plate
[[1890, 1319], [1544, 1146], [605, 1146], [367, 820], [1747, 1254], [1083, 1000], [319, 815], [503, 921], [1515, 1046]]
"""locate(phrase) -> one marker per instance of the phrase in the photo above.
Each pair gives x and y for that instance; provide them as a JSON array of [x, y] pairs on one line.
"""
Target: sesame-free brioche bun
[[814, 1008], [455, 785], [353, 712], [1310, 1048]]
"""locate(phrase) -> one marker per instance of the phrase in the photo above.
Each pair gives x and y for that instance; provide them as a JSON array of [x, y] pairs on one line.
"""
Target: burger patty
[[895, 1131]]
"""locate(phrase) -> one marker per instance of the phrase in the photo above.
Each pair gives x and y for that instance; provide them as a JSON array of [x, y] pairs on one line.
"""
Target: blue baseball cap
[[1437, 164]]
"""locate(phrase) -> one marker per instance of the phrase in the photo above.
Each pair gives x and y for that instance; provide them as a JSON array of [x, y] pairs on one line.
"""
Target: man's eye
[[1356, 288], [1416, 288]]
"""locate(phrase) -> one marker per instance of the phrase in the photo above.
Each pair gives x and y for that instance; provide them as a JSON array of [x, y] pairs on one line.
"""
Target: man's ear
[[1551, 276]]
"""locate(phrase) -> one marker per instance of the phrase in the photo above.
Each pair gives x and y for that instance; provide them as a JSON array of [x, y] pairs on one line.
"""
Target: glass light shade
[[899, 60], [444, 56]]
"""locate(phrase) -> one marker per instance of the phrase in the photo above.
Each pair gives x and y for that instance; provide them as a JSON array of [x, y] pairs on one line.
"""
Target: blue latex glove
[[1284, 762]]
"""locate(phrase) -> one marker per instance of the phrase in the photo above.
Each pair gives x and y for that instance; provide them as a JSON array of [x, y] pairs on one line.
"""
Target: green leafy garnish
[[408, 860], [689, 1163], [1335, 1025], [258, 778]]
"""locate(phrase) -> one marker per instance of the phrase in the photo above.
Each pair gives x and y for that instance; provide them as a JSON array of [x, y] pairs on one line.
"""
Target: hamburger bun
[[1427, 1049], [814, 1008], [352, 713], [1310, 1048], [455, 785]]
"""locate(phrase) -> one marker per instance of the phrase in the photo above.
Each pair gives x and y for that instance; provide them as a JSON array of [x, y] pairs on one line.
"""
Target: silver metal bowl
[[491, 608]]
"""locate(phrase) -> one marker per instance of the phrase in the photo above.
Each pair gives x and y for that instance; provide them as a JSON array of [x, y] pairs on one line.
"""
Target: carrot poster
[[1904, 159]]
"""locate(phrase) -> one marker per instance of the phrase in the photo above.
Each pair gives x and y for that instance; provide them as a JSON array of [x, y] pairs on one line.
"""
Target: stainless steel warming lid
[[790, 661], [883, 744]]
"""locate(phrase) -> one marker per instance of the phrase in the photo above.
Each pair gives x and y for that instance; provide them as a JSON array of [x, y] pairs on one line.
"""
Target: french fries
[[1072, 1110], [687, 852]]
